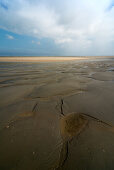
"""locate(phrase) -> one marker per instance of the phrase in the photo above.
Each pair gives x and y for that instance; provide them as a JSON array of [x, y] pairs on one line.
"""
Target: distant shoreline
[[39, 59], [49, 59]]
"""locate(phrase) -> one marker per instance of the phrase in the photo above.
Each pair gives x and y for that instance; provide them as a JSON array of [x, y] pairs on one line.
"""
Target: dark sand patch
[[104, 76], [111, 69]]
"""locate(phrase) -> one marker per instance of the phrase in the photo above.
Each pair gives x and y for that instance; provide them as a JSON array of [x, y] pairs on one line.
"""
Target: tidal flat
[[57, 115]]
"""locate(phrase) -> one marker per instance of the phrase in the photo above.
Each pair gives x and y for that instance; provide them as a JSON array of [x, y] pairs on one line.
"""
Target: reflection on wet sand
[[57, 115]]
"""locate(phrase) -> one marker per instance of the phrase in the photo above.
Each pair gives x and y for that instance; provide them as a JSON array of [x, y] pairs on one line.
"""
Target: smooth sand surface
[[57, 116]]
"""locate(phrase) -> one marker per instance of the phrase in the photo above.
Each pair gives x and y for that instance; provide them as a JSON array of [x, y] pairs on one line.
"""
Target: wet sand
[[57, 115]]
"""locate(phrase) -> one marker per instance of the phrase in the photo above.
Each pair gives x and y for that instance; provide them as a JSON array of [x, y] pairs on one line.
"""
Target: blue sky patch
[[3, 6]]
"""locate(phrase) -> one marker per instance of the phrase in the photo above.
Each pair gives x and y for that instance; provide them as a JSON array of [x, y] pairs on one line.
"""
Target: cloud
[[10, 37], [82, 27], [33, 41], [36, 42]]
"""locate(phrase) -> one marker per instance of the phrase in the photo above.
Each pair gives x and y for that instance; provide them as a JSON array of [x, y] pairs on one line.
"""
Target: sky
[[56, 27]]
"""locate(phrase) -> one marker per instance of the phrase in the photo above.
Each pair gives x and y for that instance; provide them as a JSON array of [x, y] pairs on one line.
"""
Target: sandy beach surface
[[57, 115], [39, 59], [48, 59]]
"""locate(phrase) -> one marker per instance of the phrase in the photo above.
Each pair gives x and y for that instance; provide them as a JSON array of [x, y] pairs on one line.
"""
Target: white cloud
[[36, 42], [82, 27], [10, 37], [33, 41]]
